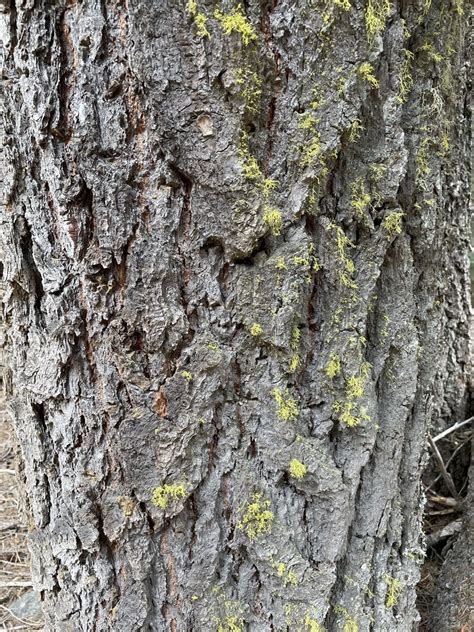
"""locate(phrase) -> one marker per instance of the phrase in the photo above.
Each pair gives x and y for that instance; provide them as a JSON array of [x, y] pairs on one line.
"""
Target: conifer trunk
[[236, 297]]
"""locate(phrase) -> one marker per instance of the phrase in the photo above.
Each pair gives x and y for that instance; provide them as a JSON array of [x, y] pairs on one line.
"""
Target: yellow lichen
[[333, 367], [231, 623], [354, 130], [393, 224], [360, 199], [162, 495], [376, 15], [286, 406], [280, 263], [343, 4], [257, 519], [356, 383], [297, 469], [311, 624], [187, 375], [251, 168], [345, 413], [459, 6], [405, 79], [350, 624], [377, 171], [394, 588], [311, 151], [251, 87], [348, 412], [348, 268], [422, 165], [200, 21], [366, 71], [295, 338], [237, 22], [288, 577], [256, 329], [199, 18], [294, 362], [273, 218]]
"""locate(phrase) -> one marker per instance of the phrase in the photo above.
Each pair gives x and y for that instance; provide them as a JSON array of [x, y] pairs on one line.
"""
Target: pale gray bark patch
[[137, 260]]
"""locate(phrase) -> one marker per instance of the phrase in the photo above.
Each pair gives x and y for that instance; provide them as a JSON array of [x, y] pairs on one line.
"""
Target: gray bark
[[164, 331]]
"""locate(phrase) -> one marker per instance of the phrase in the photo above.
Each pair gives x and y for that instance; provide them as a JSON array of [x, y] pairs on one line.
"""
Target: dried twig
[[450, 529], [16, 585], [445, 474], [442, 500], [447, 464], [29, 622], [453, 428]]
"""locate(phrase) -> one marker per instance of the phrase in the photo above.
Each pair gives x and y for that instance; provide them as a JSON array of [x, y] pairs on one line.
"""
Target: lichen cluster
[[257, 519], [162, 495]]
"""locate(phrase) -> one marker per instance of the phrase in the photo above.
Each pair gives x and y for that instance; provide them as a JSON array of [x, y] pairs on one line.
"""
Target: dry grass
[[15, 576]]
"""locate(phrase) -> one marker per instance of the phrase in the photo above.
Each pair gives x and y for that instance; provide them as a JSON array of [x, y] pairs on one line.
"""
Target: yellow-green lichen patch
[[376, 15], [229, 613], [422, 161], [251, 168], [356, 383], [256, 329], [289, 577], [394, 588], [257, 519], [366, 71], [231, 623], [295, 362], [311, 148], [347, 268], [162, 495], [349, 413], [236, 22], [199, 18], [272, 217], [350, 624], [188, 376], [405, 80], [360, 199], [287, 409], [297, 469], [343, 4], [355, 130], [345, 412], [377, 172], [311, 151], [333, 367], [251, 87], [392, 224], [310, 624]]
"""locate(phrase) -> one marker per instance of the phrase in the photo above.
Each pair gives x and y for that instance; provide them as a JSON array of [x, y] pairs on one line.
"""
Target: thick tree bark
[[235, 257]]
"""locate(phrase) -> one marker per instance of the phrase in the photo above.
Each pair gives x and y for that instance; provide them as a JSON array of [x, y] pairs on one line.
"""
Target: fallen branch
[[16, 585], [447, 531], [444, 473], [456, 426]]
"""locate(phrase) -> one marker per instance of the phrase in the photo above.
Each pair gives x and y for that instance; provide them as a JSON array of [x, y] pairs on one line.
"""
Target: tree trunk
[[236, 280]]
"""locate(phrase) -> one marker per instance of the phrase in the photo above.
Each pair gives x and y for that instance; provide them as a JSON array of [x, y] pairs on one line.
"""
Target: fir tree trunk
[[235, 262]]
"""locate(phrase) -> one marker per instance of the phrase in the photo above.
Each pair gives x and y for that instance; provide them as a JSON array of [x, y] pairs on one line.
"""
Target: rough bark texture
[[166, 334]]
